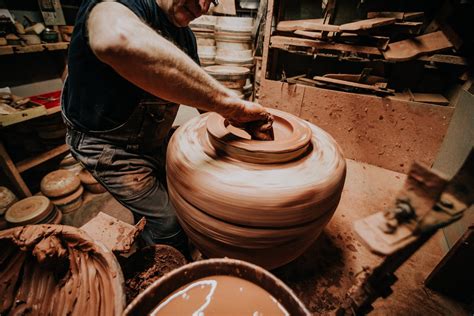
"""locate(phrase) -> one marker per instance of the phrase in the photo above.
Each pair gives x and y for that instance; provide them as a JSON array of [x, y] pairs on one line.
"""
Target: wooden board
[[284, 42], [366, 24], [402, 16], [39, 159], [354, 85], [445, 59], [432, 98], [455, 148], [293, 25], [411, 48], [380, 131], [355, 78], [20, 116]]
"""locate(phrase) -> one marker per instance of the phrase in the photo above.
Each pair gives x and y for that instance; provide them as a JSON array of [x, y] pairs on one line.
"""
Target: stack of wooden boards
[[389, 37]]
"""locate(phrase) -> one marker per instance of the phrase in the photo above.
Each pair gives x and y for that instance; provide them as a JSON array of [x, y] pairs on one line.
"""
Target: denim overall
[[129, 161]]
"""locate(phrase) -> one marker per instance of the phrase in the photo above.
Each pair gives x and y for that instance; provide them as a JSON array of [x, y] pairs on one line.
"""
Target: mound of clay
[[148, 265]]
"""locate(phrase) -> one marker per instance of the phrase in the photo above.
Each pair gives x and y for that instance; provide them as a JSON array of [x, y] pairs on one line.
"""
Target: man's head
[[181, 12]]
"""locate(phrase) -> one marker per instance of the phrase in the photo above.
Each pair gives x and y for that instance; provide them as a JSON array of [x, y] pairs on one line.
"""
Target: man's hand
[[252, 117]]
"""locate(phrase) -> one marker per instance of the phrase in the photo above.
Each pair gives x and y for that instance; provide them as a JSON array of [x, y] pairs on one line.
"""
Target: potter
[[131, 63]]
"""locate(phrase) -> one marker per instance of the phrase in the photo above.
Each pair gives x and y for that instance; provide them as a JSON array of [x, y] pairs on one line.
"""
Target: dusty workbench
[[322, 276]]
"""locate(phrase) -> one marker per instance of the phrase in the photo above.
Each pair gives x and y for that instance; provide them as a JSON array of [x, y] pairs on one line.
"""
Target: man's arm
[[120, 39]]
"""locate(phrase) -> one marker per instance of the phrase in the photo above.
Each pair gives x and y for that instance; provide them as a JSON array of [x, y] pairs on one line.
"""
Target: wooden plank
[[453, 151], [413, 28], [266, 38], [432, 98], [310, 34], [315, 26], [20, 116], [445, 59], [356, 78], [12, 172], [411, 48], [6, 50], [354, 85], [366, 24], [284, 42], [380, 131], [293, 25], [29, 163], [402, 16]]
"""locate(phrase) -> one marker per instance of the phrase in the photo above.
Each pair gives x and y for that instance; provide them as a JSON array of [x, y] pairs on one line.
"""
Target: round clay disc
[[59, 183], [7, 198], [292, 138], [67, 161], [64, 200], [86, 177], [30, 210]]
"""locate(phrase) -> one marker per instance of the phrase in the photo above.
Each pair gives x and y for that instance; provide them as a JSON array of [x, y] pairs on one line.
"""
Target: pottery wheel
[[250, 199]]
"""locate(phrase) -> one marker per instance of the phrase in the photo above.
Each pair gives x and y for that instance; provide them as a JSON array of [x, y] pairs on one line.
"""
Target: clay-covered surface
[[323, 274], [57, 270]]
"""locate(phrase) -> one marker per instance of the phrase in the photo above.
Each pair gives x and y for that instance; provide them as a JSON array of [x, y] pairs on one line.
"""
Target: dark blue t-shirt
[[96, 97]]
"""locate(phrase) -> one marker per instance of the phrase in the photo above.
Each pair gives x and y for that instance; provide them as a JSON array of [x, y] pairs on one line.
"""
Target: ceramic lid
[[292, 139], [59, 183], [31, 210]]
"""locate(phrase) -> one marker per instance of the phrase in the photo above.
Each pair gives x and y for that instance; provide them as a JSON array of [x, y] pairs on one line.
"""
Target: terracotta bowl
[[145, 303], [262, 201]]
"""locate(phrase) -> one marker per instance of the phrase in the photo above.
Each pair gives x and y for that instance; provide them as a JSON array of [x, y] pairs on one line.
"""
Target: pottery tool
[[427, 202]]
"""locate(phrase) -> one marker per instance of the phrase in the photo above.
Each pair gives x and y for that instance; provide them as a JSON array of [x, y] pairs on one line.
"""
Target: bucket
[[148, 300], [232, 77]]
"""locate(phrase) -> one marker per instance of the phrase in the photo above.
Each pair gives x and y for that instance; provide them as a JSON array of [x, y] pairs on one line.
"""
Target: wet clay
[[220, 295], [261, 201], [148, 265], [57, 270]]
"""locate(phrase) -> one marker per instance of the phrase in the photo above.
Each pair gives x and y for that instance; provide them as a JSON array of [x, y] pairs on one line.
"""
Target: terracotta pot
[[148, 300], [262, 201]]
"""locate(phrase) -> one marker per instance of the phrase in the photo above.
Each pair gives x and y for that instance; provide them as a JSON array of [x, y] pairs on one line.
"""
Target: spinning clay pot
[[261, 201]]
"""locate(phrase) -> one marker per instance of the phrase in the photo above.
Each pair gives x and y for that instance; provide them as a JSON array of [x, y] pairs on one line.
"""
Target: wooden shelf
[[18, 49], [29, 163]]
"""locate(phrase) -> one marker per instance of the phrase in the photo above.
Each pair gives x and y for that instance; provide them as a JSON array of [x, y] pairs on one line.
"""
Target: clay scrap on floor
[[115, 234]]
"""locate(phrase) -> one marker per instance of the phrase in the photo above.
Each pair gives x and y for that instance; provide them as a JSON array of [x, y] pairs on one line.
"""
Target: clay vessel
[[144, 303], [261, 201]]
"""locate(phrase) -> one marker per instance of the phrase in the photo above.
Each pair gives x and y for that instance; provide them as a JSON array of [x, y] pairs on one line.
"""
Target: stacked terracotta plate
[[203, 28], [64, 189], [234, 41], [33, 210], [90, 183], [70, 164], [233, 77]]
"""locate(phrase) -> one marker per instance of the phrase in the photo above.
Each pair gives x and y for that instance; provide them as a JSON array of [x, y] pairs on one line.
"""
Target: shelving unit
[[18, 49], [386, 132]]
